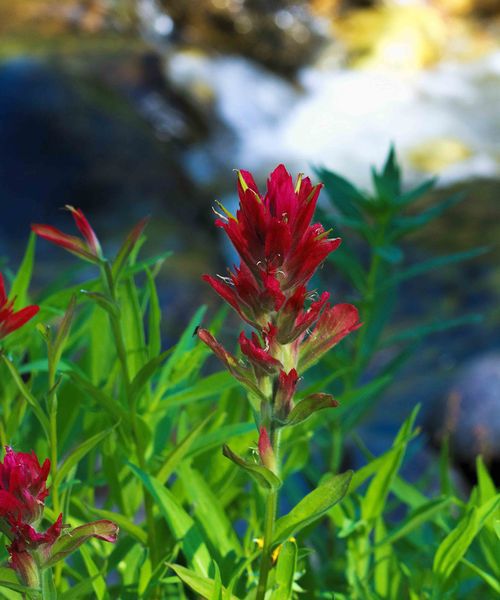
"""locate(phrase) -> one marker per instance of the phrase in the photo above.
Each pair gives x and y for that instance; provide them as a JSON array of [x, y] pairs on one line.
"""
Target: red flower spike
[[333, 325], [275, 239], [11, 320], [283, 400], [266, 452], [259, 357], [89, 248]]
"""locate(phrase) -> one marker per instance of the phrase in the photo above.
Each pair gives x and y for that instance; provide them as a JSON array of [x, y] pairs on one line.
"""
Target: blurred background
[[134, 107]]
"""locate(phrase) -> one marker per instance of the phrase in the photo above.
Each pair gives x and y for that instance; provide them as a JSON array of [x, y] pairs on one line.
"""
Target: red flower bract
[[273, 233], [22, 487], [11, 320], [87, 248]]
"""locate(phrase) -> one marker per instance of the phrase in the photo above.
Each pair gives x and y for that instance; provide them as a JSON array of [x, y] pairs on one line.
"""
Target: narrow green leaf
[[199, 584], [77, 454], [173, 458], [21, 283], [312, 507], [375, 498], [491, 580], [417, 333], [285, 571], [421, 515], [215, 439], [203, 389], [27, 395], [404, 225], [417, 192], [179, 522], [453, 548], [263, 476], [154, 322], [430, 265], [209, 512], [48, 587], [98, 581]]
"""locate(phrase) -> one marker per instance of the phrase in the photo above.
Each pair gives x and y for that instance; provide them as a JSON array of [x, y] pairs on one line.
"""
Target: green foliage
[[141, 436]]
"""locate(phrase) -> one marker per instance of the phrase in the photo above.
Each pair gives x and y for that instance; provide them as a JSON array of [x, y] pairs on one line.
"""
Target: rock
[[472, 410]]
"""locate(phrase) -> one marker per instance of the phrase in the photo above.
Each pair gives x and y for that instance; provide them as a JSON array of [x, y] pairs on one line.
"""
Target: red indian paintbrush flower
[[280, 250], [11, 320], [87, 248], [23, 491]]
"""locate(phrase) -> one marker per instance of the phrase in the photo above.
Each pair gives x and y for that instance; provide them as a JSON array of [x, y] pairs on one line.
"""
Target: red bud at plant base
[[22, 495], [11, 320], [266, 452], [87, 248]]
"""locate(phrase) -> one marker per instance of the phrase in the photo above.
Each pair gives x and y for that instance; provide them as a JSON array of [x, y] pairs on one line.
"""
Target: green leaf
[[203, 389], [112, 406], [262, 475], [21, 283], [216, 438], [77, 454], [27, 395], [98, 581], [308, 406], [375, 498], [491, 580], [209, 512], [175, 456], [285, 571], [388, 182], [128, 246], [312, 507], [430, 265], [417, 333], [199, 584], [154, 324], [56, 348], [453, 548], [417, 192], [48, 587], [144, 375], [421, 515], [403, 225], [179, 522], [343, 194], [185, 343]]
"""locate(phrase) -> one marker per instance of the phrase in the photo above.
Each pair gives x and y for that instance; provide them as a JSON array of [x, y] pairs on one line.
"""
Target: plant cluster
[[131, 435]]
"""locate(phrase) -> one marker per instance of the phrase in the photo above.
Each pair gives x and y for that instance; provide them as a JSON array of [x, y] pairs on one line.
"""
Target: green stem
[[265, 562], [52, 405], [269, 520]]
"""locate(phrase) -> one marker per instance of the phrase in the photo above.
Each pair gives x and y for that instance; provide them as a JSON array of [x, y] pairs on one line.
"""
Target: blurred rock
[[472, 410], [279, 34], [433, 156]]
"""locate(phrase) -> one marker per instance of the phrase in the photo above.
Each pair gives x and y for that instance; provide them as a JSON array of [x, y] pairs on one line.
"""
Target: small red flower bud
[[87, 248], [266, 452]]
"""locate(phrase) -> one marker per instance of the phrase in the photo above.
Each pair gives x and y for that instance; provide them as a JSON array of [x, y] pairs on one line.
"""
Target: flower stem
[[265, 562], [269, 520]]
